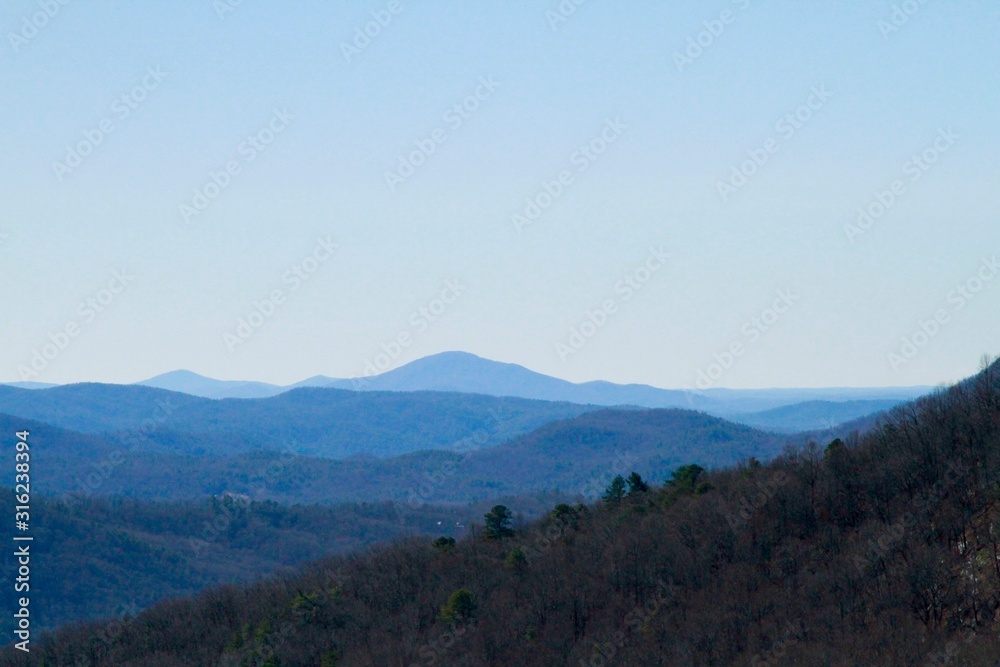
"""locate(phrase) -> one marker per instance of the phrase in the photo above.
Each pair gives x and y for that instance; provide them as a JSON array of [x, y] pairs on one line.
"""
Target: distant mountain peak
[[189, 382], [456, 354], [180, 374], [458, 358], [468, 373]]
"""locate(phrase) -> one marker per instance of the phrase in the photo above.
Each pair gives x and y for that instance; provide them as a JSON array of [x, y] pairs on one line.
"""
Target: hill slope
[[467, 373], [576, 455], [814, 415], [882, 551], [328, 423], [187, 382], [105, 556]]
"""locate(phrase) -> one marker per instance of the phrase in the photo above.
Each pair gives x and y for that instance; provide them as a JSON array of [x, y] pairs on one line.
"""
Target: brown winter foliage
[[879, 551]]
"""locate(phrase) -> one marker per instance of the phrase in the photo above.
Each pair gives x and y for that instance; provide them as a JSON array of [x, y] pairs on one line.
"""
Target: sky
[[686, 194]]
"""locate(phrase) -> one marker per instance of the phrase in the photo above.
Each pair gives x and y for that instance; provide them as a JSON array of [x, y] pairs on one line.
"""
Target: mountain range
[[463, 372], [878, 549], [329, 423], [423, 441], [576, 455], [778, 410]]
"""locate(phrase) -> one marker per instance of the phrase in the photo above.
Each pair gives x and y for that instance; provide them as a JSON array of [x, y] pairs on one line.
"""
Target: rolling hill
[[881, 550], [577, 455], [463, 372], [145, 551], [813, 415], [187, 382], [330, 423]]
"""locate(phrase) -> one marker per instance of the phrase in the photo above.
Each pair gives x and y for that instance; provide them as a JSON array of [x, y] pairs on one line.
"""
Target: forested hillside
[[141, 552], [814, 415], [329, 423], [576, 456], [884, 550]]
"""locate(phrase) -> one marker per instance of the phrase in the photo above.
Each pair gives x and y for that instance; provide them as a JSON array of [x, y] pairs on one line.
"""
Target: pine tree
[[636, 484], [615, 491], [498, 522]]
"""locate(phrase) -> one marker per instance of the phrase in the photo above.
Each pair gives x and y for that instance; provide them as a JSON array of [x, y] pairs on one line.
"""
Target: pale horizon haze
[[801, 196]]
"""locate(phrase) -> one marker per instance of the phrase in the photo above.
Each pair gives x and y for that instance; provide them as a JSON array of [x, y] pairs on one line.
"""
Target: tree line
[[881, 548]]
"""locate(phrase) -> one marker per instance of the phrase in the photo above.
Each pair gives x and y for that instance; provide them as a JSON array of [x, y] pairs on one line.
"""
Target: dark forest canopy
[[881, 550]]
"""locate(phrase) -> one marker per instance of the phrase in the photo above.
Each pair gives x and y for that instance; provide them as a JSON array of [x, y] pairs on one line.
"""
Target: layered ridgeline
[[815, 415], [330, 423], [576, 456], [878, 551], [466, 373], [461, 372], [105, 553], [99, 557]]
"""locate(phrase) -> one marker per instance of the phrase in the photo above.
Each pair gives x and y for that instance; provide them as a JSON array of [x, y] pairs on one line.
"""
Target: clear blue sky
[[311, 128]]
